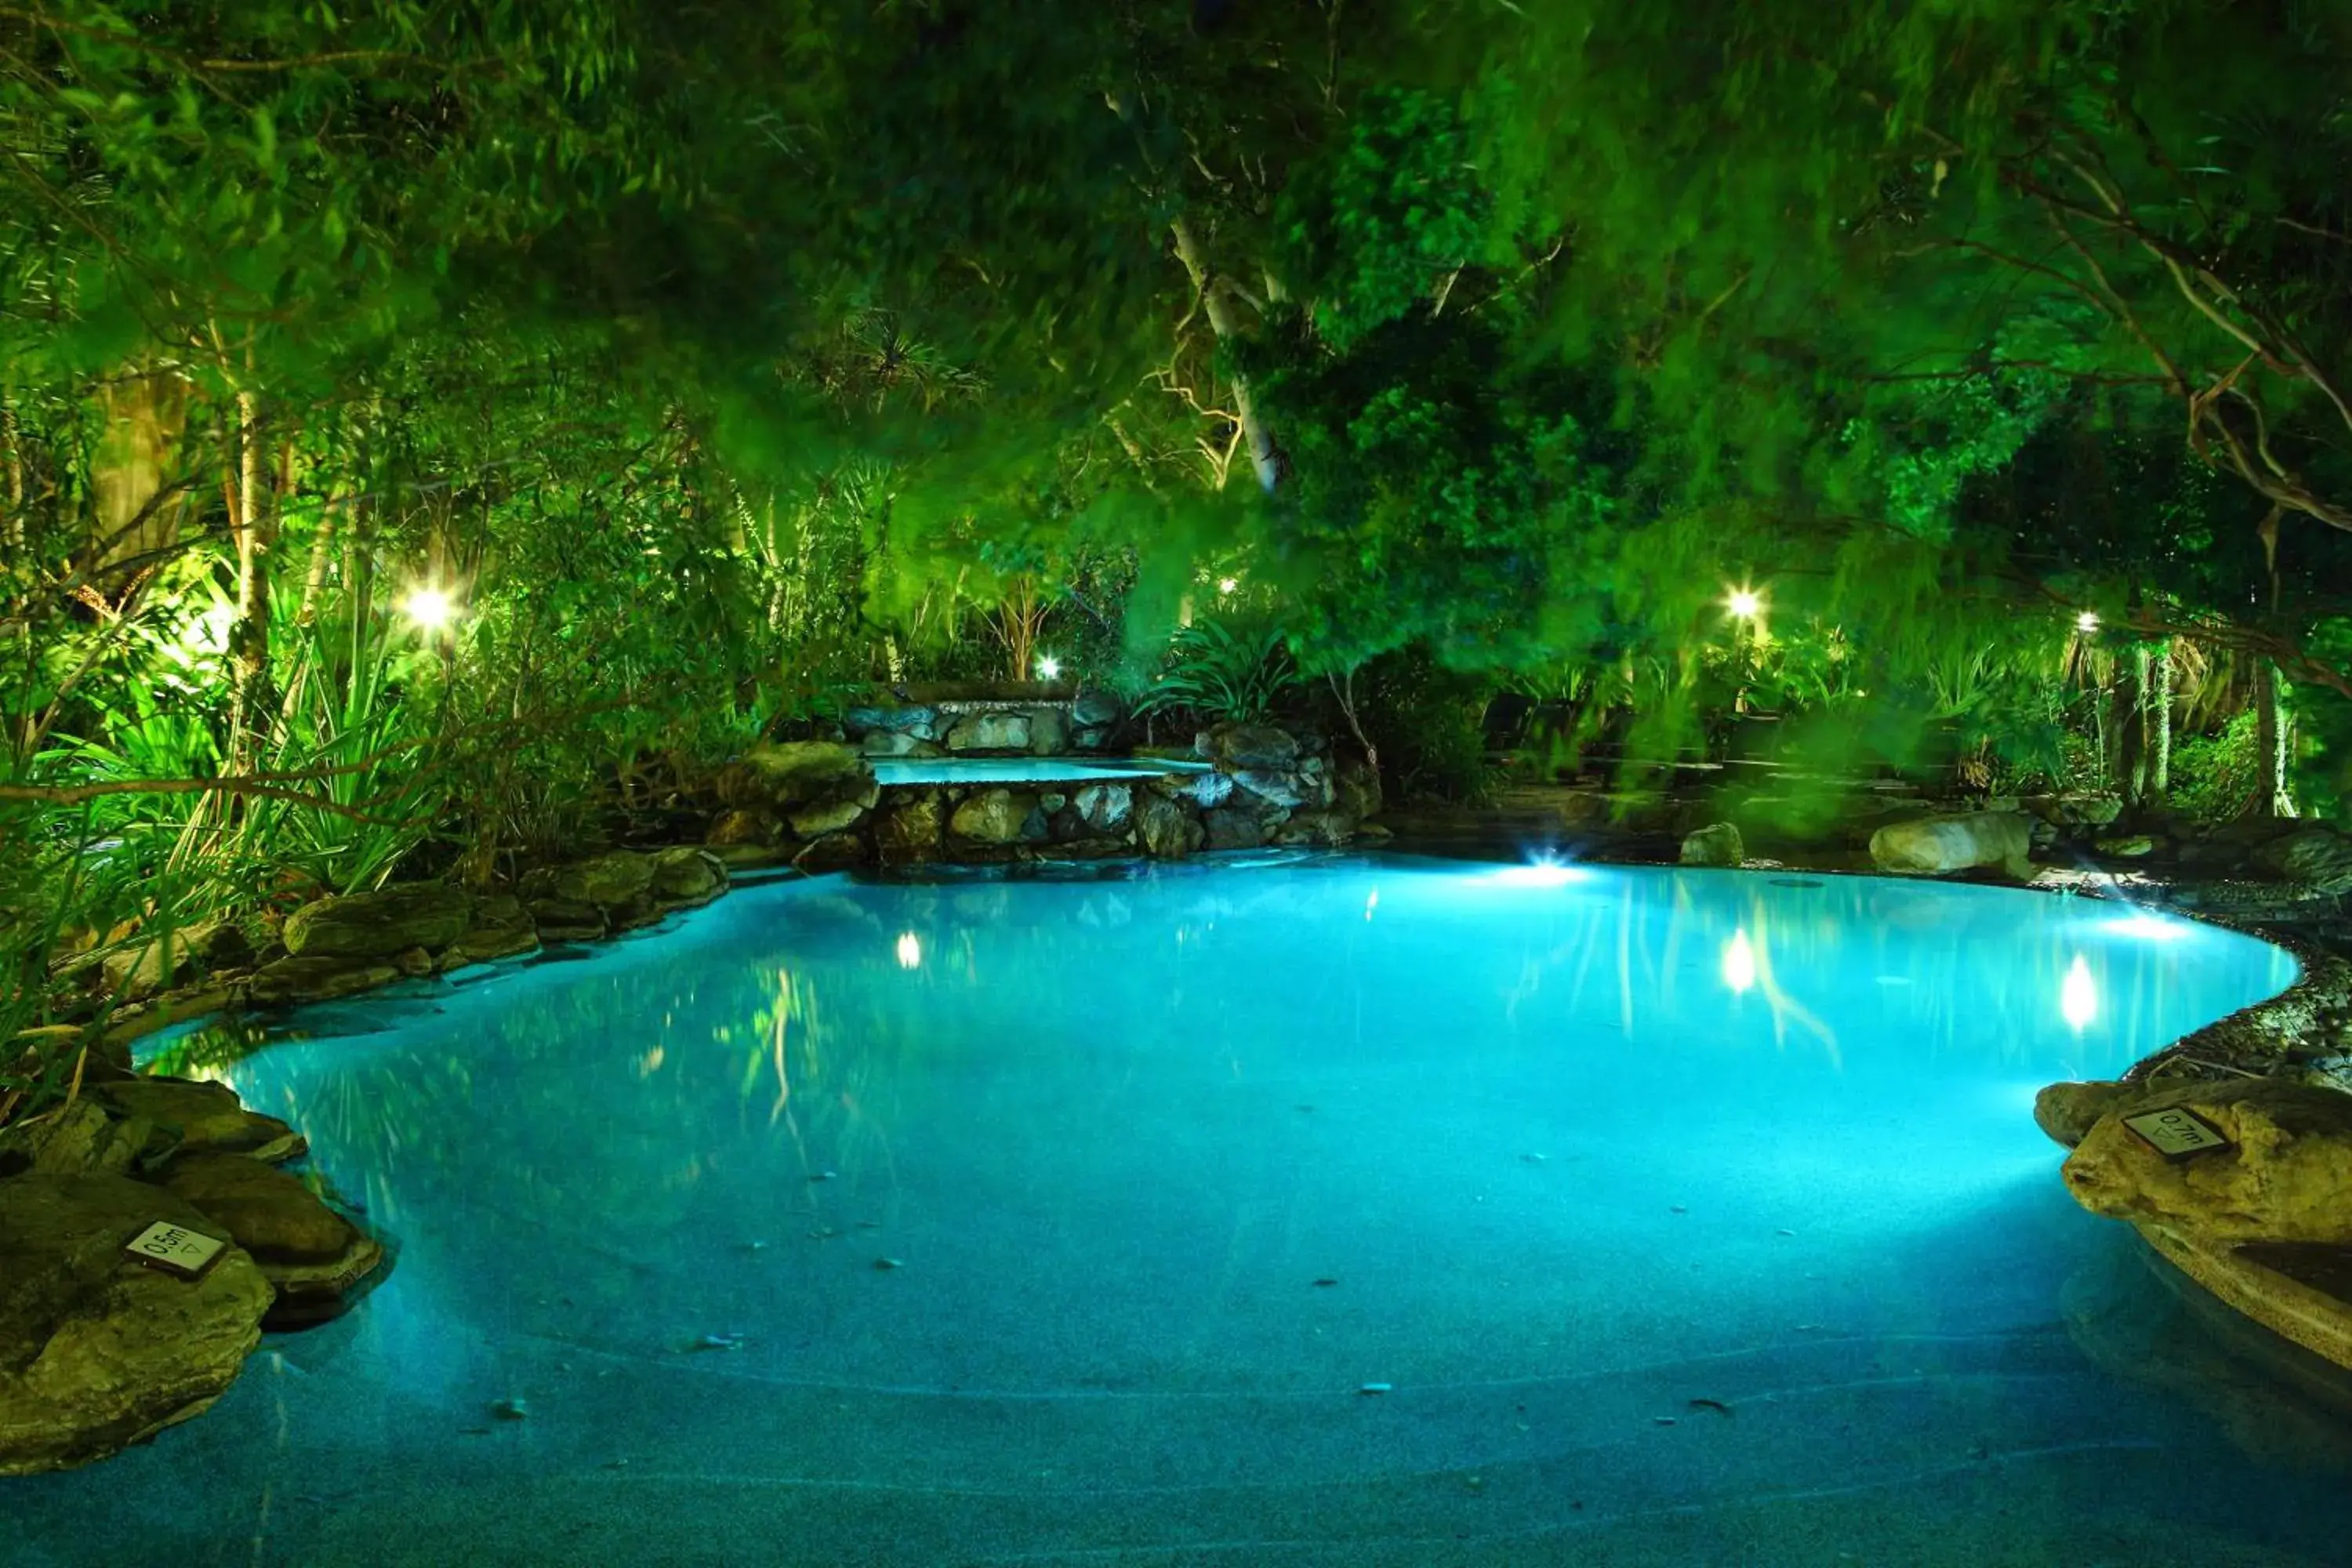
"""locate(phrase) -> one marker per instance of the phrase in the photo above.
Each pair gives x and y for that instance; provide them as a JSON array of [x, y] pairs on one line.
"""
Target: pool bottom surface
[[1688, 1219]]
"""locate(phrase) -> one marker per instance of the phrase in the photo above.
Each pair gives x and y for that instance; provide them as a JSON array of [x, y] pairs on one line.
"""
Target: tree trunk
[[1220, 309], [2271, 796], [2159, 761], [2134, 778], [253, 523]]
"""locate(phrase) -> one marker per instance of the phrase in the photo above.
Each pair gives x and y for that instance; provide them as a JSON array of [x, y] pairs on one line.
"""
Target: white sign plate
[[2176, 1133], [175, 1248]]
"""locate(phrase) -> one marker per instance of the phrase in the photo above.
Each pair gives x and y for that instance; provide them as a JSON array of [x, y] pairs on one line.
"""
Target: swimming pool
[[1025, 770], [1351, 1210]]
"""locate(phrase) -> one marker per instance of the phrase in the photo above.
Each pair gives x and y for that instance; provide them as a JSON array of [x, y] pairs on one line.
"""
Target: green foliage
[[1384, 224], [1221, 675], [1429, 723], [2215, 777]]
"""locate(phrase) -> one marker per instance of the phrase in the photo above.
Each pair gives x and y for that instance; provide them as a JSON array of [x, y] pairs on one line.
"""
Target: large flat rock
[[97, 1351], [379, 925], [2286, 1174]]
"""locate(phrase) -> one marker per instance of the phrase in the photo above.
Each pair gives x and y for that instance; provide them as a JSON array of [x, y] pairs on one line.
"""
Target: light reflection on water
[[1577, 1149]]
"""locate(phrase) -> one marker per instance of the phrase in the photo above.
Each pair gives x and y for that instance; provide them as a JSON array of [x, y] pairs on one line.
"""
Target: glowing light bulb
[[1745, 602], [1739, 963], [429, 608], [2078, 997], [1049, 667], [910, 951], [2087, 622]]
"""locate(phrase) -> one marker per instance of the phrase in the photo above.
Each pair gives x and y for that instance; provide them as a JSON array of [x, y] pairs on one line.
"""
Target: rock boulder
[[74, 1138], [2287, 1176], [1106, 807], [1167, 831], [1238, 746], [990, 731], [97, 1351], [786, 773], [993, 816], [379, 925], [1232, 827], [1323, 829], [686, 877], [314, 979], [1960, 842], [207, 1117], [1717, 844], [910, 831], [2317, 857]]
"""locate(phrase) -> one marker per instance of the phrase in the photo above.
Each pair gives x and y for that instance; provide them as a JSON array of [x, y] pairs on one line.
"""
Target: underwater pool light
[[2078, 996], [1739, 963], [2148, 928], [910, 951], [1542, 872]]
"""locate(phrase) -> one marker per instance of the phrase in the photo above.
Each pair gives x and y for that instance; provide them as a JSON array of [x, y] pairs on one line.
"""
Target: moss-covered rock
[[315, 979], [686, 876], [379, 925], [1717, 844], [96, 1351], [207, 1117]]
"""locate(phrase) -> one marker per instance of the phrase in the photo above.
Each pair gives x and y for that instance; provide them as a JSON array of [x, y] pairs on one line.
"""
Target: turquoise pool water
[[1024, 770], [1681, 1217]]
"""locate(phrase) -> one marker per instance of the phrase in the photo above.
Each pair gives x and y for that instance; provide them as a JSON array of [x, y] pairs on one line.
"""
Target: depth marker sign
[[175, 1249], [2176, 1133]]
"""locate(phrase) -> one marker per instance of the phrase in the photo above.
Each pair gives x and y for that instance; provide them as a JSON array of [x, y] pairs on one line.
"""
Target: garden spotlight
[[1049, 669], [1745, 603], [429, 608], [2087, 622]]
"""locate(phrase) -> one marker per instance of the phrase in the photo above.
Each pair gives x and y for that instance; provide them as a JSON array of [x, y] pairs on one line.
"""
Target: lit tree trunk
[[1218, 304], [253, 524], [2133, 777], [2270, 796], [2159, 761]]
